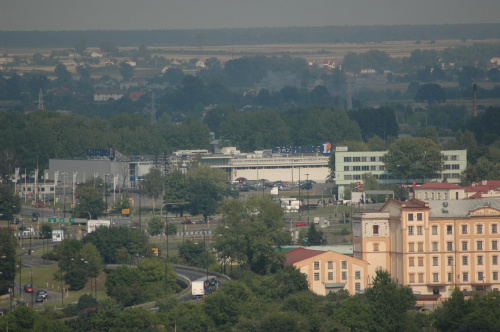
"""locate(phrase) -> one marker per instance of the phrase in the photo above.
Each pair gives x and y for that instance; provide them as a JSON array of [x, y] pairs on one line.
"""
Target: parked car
[[187, 221], [42, 292], [300, 224], [15, 221], [28, 288], [39, 298]]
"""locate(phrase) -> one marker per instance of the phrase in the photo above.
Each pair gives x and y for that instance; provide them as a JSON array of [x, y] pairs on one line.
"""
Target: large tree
[[7, 259], [205, 189], [413, 158], [10, 203], [250, 232], [153, 184], [89, 196]]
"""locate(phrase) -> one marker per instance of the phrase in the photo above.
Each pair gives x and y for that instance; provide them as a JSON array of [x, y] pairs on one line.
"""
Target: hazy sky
[[192, 14]]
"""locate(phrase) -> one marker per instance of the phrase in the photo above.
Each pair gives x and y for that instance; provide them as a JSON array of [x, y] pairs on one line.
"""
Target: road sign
[[61, 220], [52, 219], [71, 220]]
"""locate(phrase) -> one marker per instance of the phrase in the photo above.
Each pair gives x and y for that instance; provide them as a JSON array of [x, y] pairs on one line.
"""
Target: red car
[[300, 224], [28, 288]]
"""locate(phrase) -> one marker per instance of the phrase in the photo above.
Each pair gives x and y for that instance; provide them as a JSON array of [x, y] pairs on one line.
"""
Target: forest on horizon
[[250, 36]]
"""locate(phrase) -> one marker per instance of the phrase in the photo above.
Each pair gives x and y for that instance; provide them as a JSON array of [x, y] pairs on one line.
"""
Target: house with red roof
[[439, 191], [329, 271]]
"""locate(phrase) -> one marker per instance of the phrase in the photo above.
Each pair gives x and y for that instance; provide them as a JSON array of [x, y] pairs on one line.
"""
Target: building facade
[[350, 167], [433, 246], [329, 271]]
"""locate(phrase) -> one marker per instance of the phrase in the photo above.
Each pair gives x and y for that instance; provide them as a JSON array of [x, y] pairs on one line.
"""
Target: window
[[464, 229], [494, 245], [373, 158], [435, 277], [495, 276], [356, 168], [420, 261], [330, 275], [316, 265], [411, 247], [419, 216], [494, 228], [465, 260], [494, 260], [375, 229], [357, 275], [434, 230], [344, 275], [410, 230], [479, 260], [316, 276], [420, 277], [357, 287], [450, 260], [434, 246], [330, 265], [410, 216], [356, 159], [479, 245], [420, 247], [449, 277], [347, 159], [449, 246], [346, 168], [479, 229], [375, 247], [449, 229], [464, 245], [465, 276], [412, 278], [480, 276], [344, 264], [411, 261], [420, 230], [435, 261]]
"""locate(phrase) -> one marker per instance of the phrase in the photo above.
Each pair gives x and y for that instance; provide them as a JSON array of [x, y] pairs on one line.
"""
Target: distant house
[[164, 70], [495, 61], [96, 54], [432, 191], [200, 64], [131, 63], [368, 71], [328, 64], [110, 62], [105, 95], [135, 82], [136, 95]]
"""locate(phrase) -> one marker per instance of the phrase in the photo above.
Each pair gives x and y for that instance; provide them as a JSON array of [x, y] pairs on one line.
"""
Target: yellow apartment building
[[432, 246]]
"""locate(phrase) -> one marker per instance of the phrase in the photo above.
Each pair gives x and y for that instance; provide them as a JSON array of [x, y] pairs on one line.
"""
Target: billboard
[[93, 224], [57, 235]]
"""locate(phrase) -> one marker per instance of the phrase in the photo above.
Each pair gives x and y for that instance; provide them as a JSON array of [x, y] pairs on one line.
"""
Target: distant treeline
[[249, 36]]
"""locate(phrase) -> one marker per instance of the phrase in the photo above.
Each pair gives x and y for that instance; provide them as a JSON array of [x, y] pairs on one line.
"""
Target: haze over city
[[28, 15]]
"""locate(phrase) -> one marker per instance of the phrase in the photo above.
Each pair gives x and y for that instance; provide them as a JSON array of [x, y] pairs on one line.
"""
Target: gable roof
[[299, 254]]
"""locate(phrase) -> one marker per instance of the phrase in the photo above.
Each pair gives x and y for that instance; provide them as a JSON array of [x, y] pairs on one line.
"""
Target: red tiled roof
[[299, 254], [483, 189], [438, 185]]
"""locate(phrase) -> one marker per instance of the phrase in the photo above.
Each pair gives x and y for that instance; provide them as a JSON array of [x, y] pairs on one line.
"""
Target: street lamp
[[307, 188], [166, 225]]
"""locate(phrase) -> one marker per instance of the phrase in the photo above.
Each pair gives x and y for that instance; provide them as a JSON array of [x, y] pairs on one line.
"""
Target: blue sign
[[110, 153], [325, 148]]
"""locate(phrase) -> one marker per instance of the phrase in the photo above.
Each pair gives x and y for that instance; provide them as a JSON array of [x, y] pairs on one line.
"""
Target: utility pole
[[307, 183]]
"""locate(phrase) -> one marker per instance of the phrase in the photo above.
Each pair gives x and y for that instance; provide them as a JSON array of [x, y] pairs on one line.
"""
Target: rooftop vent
[[444, 210], [445, 204]]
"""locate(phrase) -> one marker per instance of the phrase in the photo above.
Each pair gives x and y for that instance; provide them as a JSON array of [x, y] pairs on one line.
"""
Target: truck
[[203, 286]]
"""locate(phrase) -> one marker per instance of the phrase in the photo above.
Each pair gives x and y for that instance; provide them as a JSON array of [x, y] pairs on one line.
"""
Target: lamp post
[[166, 225], [307, 188], [32, 293], [206, 251], [62, 289]]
